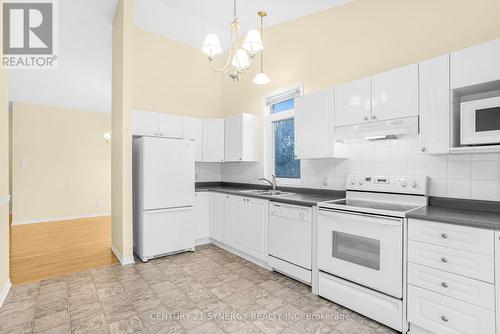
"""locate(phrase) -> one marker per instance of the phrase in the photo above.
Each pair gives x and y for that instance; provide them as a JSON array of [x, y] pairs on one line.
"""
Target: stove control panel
[[416, 185]]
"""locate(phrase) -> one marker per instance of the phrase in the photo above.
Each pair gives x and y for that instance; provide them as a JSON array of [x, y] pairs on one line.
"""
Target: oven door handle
[[381, 220]]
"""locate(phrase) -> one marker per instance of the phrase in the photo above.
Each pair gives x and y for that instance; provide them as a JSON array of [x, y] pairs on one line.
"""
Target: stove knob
[[353, 182], [361, 182], [414, 184], [403, 183]]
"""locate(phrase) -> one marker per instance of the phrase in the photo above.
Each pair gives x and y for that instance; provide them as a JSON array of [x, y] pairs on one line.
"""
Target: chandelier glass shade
[[240, 58]]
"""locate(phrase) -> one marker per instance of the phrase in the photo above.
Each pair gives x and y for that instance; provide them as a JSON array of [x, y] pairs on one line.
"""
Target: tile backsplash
[[471, 176]]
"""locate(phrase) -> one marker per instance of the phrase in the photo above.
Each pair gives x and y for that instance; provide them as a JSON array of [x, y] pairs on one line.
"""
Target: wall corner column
[[121, 119]]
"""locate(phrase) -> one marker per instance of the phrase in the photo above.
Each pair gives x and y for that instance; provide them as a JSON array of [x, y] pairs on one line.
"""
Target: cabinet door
[[434, 97], [497, 277], [146, 123], [233, 138], [213, 140], [217, 216], [235, 220], [257, 228], [249, 137], [395, 93], [353, 102], [475, 65], [171, 126], [314, 125], [202, 213], [193, 130]]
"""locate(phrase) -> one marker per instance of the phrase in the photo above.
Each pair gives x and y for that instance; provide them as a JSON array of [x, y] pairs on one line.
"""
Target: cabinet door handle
[[366, 118], [444, 284], [422, 149], [444, 235], [444, 318], [374, 117], [444, 260]]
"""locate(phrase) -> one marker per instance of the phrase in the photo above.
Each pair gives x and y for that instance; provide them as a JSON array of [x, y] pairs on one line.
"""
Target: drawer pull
[[444, 260], [444, 235], [444, 284], [444, 318]]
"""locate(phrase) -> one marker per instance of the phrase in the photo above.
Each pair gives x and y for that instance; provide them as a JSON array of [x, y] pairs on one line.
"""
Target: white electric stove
[[361, 245]]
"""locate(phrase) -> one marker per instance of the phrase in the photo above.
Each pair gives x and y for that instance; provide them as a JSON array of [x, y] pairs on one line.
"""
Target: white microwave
[[480, 122]]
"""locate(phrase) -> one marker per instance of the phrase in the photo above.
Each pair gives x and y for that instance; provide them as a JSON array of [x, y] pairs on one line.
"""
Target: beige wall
[[67, 163], [173, 77], [359, 39], [4, 171], [121, 120]]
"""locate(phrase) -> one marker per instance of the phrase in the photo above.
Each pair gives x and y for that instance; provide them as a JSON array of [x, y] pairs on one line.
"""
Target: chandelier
[[239, 59]]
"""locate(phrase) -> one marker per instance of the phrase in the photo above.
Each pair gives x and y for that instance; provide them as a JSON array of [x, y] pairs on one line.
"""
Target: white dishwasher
[[290, 229]]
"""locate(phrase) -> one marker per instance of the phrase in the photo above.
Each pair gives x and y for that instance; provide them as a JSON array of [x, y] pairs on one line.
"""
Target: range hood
[[381, 130]]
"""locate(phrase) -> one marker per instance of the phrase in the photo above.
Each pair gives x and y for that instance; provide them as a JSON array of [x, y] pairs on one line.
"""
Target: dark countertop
[[300, 196], [480, 214]]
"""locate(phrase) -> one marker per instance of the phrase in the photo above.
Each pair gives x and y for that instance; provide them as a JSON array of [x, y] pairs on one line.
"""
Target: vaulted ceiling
[[83, 78]]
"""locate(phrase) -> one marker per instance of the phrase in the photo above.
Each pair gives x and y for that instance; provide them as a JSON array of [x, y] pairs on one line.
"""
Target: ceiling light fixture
[[261, 78], [239, 59]]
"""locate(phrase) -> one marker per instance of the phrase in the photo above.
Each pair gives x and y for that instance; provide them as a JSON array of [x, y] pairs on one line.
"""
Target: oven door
[[362, 248], [480, 122]]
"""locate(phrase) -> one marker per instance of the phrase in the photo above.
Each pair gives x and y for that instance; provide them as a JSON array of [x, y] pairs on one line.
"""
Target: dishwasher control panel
[[296, 212]]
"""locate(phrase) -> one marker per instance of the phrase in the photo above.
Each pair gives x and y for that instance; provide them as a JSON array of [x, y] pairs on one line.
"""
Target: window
[[280, 137], [285, 164]]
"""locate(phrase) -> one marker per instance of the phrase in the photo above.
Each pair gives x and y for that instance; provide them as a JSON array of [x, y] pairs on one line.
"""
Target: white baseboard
[[247, 257], [56, 219], [5, 292], [202, 241], [123, 261]]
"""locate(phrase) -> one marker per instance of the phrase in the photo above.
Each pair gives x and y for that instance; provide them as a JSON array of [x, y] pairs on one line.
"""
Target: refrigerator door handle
[[180, 208]]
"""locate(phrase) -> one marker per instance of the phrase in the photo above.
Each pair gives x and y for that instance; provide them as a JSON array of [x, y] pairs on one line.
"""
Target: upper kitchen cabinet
[[475, 65], [435, 105], [193, 130], [147, 123], [240, 138], [314, 127], [171, 126], [395, 93], [353, 102], [213, 140]]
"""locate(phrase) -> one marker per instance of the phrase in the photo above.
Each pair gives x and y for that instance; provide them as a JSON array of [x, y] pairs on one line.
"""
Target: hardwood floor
[[44, 250]]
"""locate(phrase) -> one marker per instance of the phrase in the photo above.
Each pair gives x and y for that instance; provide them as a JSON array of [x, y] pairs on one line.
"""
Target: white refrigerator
[[163, 196]]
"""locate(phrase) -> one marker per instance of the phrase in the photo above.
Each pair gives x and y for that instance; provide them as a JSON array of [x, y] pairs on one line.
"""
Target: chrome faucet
[[272, 183]]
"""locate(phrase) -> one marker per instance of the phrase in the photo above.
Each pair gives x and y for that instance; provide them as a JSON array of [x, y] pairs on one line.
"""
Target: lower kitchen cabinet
[[240, 223], [257, 228], [217, 225], [236, 220], [202, 212], [451, 278], [497, 277]]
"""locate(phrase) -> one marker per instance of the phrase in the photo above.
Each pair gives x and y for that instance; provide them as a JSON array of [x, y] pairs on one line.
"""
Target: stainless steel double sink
[[266, 192]]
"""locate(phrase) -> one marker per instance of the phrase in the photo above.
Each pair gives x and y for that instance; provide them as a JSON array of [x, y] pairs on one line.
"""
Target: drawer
[[443, 315], [375, 305], [455, 261], [453, 236], [454, 286]]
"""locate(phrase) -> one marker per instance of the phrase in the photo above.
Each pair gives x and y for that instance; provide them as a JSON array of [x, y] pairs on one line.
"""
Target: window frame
[[269, 144]]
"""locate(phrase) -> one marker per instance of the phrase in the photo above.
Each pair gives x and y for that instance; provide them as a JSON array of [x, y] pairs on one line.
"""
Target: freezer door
[[167, 231], [168, 173]]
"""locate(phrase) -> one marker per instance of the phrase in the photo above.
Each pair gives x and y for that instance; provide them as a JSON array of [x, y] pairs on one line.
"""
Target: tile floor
[[209, 291]]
